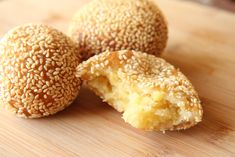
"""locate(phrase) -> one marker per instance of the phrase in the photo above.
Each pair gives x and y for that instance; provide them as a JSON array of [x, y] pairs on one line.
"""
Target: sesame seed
[[138, 72], [26, 90], [124, 25]]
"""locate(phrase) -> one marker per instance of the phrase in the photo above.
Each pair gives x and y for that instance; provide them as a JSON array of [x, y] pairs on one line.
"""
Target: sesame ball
[[37, 66], [119, 25], [151, 93]]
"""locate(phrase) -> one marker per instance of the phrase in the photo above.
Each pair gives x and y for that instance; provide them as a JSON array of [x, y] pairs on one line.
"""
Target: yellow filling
[[147, 109]]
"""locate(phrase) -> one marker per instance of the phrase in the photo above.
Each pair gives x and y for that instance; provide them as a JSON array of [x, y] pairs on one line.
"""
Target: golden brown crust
[[146, 72], [119, 25], [37, 66]]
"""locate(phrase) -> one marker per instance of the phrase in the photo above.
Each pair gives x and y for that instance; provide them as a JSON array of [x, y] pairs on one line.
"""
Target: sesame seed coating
[[119, 25], [37, 66], [145, 75]]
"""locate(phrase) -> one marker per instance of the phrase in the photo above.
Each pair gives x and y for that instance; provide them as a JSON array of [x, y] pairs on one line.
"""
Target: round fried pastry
[[119, 25], [151, 93], [37, 66]]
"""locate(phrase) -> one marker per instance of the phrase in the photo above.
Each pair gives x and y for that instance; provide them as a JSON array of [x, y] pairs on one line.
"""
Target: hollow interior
[[143, 108]]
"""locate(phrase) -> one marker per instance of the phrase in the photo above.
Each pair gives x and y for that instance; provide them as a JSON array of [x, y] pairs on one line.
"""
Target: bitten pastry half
[[37, 67], [115, 25], [151, 93]]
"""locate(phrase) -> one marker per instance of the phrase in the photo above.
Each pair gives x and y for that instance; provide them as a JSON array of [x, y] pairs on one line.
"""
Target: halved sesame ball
[[151, 93], [37, 66], [119, 25]]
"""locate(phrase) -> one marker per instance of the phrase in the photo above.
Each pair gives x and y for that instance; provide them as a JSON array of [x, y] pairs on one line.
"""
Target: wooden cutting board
[[202, 45]]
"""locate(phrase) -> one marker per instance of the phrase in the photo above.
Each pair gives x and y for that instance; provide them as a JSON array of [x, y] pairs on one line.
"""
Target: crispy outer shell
[[119, 25], [144, 72], [37, 66]]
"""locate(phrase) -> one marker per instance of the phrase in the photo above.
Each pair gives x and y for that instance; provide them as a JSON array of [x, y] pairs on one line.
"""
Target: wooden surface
[[228, 5], [202, 45]]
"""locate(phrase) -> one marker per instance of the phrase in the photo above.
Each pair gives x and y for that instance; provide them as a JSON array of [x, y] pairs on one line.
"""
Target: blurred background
[[224, 4]]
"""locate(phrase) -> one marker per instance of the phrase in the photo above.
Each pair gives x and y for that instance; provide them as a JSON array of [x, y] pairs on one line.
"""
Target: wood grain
[[202, 45]]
